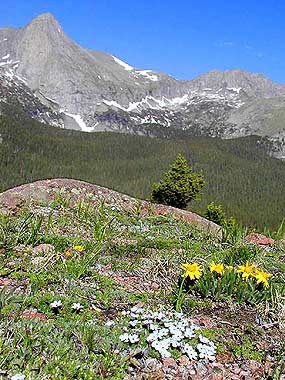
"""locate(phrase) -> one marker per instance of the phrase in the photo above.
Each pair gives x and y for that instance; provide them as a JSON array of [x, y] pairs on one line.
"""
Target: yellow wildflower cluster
[[194, 271], [248, 271]]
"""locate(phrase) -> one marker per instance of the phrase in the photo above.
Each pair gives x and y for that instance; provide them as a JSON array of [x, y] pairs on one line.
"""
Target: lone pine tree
[[178, 186]]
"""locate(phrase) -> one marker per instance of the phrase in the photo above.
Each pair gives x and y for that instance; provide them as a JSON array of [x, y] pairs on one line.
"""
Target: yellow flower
[[78, 248], [67, 253], [262, 277], [247, 270], [229, 267], [218, 268], [191, 270]]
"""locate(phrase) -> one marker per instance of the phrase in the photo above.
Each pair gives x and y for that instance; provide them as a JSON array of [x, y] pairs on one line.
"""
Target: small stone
[[42, 249], [183, 360], [259, 239], [169, 362], [34, 315], [154, 286]]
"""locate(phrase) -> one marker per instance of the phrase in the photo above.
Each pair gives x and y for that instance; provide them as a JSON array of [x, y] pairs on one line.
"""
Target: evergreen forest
[[238, 173]]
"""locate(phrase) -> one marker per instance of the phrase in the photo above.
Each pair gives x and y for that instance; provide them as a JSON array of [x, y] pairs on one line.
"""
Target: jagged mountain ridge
[[95, 91]]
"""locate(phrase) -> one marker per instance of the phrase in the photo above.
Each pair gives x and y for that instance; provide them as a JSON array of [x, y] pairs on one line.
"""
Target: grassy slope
[[128, 259], [248, 184]]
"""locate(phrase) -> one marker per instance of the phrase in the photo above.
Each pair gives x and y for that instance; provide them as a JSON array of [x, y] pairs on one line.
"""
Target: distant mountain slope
[[239, 175], [95, 91]]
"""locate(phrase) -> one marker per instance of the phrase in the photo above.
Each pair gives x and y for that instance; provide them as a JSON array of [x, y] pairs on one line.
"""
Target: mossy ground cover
[[73, 279]]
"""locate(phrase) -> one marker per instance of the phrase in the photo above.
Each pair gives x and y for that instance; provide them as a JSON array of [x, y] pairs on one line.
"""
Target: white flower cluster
[[206, 348], [76, 306], [18, 376], [131, 338], [166, 331]]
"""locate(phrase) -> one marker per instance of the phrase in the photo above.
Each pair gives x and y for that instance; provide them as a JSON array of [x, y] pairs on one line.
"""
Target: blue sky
[[183, 38]]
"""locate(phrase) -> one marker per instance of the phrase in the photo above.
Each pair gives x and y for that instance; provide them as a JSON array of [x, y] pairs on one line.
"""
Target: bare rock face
[[94, 91]]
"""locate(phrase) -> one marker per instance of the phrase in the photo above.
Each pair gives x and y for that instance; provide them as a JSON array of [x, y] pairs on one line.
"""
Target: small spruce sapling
[[178, 186]]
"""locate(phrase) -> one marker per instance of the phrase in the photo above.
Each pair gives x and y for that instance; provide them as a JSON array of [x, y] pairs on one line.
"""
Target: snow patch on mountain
[[147, 74], [124, 64], [113, 103], [149, 102], [79, 121]]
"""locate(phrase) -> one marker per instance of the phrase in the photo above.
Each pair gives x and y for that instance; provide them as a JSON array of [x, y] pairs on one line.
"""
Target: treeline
[[239, 175]]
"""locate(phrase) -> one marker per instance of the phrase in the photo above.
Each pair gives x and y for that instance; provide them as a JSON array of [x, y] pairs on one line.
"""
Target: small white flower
[[18, 376], [152, 337], [157, 315], [76, 306], [134, 323], [162, 347], [160, 316], [207, 351], [189, 333], [90, 322], [195, 327], [124, 337], [177, 337], [165, 354], [169, 324], [190, 352], [56, 304], [203, 339], [175, 342], [133, 338], [109, 323], [175, 331], [163, 332], [137, 310], [178, 315]]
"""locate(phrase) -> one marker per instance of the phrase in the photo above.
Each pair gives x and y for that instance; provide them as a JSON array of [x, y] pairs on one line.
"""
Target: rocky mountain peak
[[44, 21], [253, 84]]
